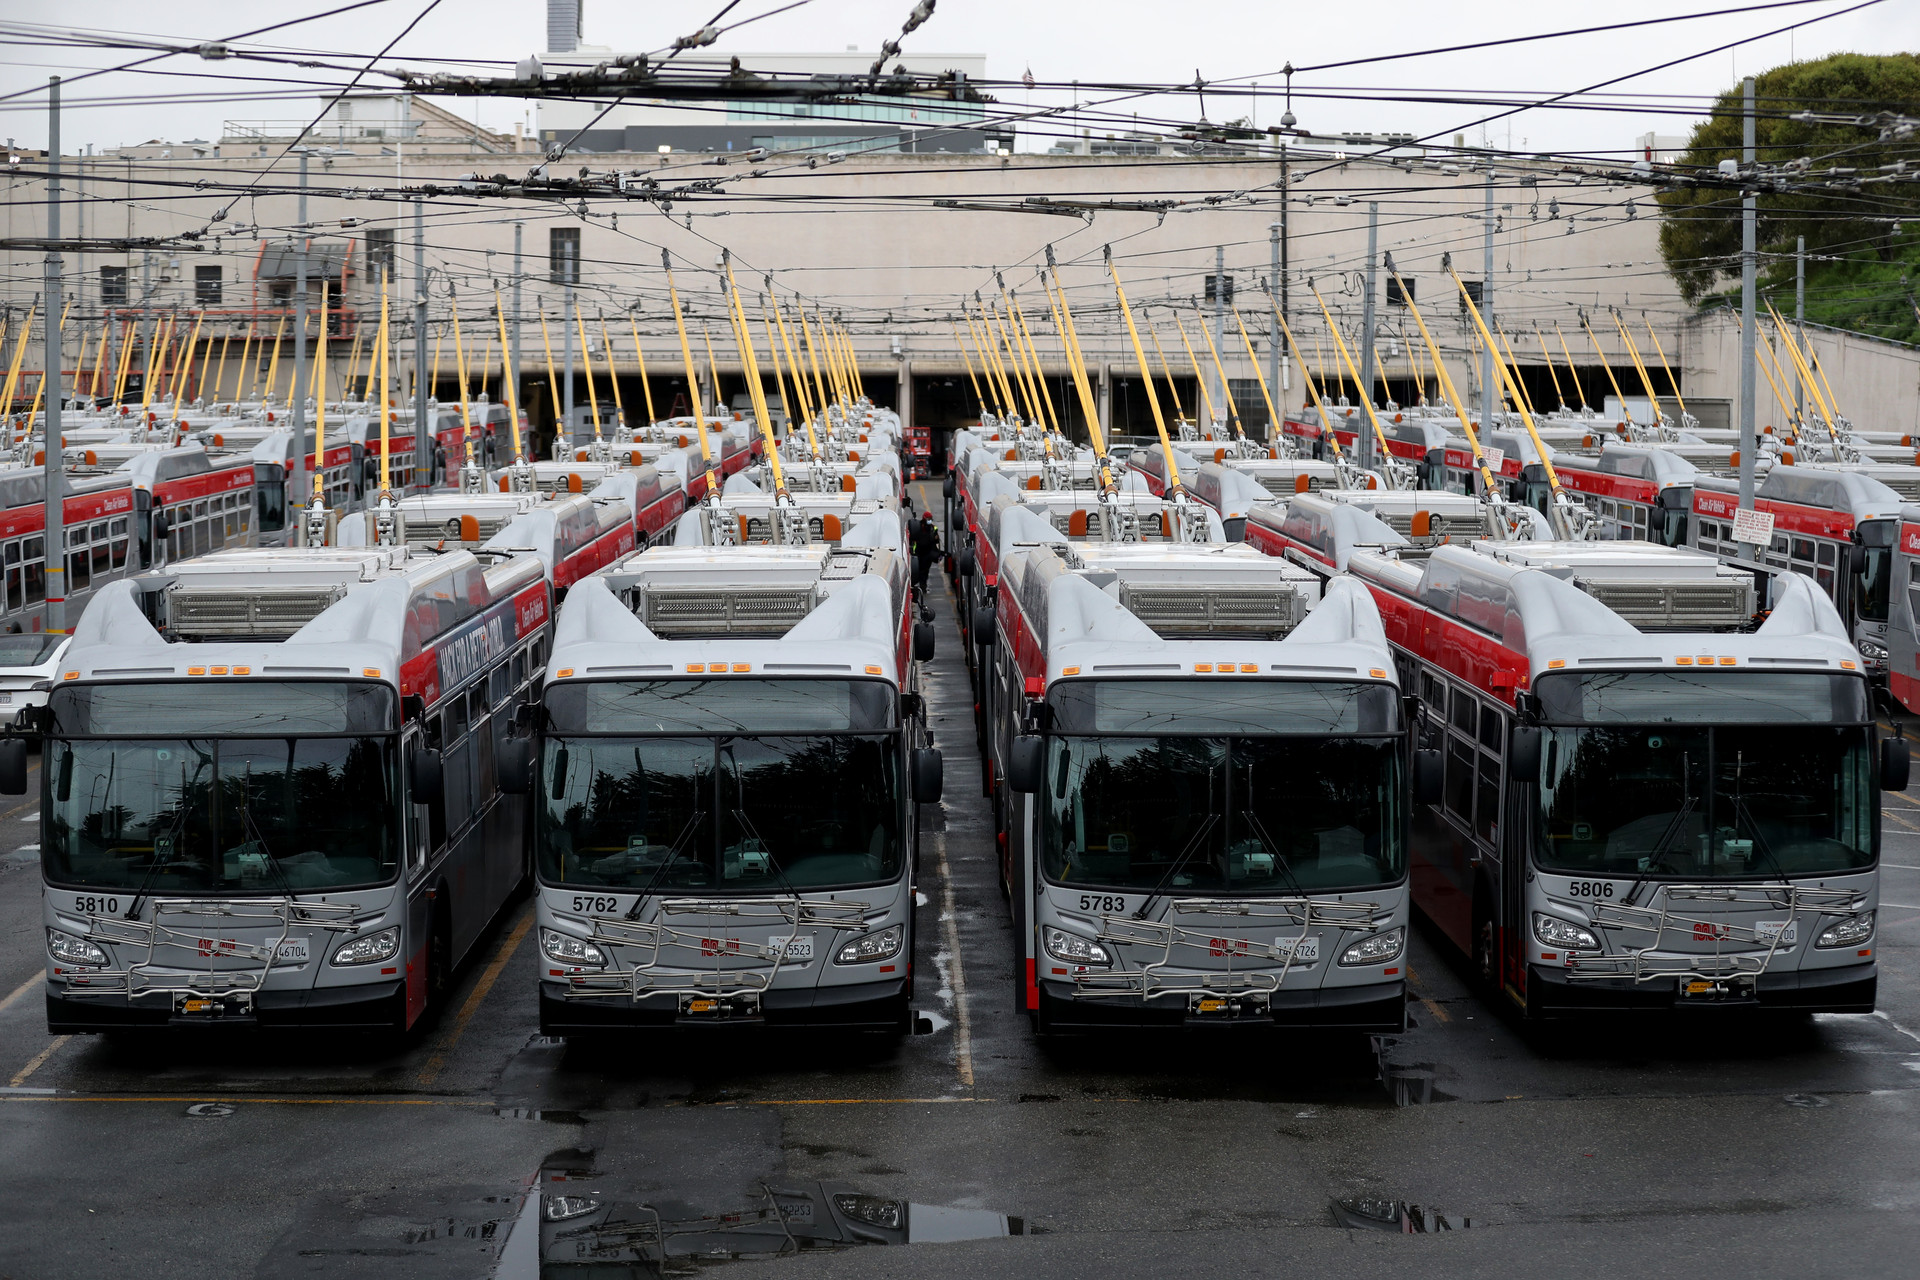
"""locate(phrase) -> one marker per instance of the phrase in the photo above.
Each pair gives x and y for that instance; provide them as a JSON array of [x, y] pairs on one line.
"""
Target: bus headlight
[[1552, 931], [1872, 650], [1074, 949], [371, 949], [67, 949], [1378, 949], [564, 948], [1849, 932], [883, 944]]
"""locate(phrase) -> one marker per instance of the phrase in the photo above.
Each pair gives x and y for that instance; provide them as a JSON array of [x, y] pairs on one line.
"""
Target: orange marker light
[[1203, 666], [1069, 671], [371, 673], [192, 671], [564, 672]]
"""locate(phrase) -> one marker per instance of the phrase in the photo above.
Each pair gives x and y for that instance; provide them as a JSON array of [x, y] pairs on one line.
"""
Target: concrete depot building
[[866, 236]]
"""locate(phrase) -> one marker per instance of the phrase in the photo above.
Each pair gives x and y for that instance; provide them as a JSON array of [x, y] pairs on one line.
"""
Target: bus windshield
[[1873, 585], [1222, 814], [728, 814], [221, 815], [1697, 802]]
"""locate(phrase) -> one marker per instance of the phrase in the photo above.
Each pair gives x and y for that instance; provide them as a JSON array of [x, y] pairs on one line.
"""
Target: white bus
[[270, 794]]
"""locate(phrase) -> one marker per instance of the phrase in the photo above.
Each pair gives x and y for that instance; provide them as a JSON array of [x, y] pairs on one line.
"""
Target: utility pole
[[1489, 380], [50, 379], [514, 333], [1367, 322], [1286, 313], [298, 416], [422, 425], [1800, 324], [1273, 315], [1748, 210]]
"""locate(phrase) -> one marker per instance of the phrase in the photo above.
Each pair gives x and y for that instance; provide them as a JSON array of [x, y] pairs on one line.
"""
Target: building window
[[206, 285], [379, 251], [113, 286], [563, 254]]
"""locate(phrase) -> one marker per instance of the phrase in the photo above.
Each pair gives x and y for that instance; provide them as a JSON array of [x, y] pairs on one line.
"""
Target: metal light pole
[[1273, 317], [514, 332], [298, 416], [1367, 321], [50, 379], [1800, 322], [1220, 318], [422, 426], [1748, 210], [1490, 396], [570, 430]]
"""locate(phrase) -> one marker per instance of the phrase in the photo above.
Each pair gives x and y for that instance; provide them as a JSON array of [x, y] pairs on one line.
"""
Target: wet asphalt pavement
[[1466, 1147]]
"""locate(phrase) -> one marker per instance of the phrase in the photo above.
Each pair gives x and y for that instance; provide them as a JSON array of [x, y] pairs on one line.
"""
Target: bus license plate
[[799, 947], [1788, 931], [1706, 989], [1305, 950], [292, 951]]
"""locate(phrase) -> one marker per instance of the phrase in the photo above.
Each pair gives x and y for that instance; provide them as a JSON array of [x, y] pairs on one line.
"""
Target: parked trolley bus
[[1205, 819], [271, 793], [1648, 802], [730, 753]]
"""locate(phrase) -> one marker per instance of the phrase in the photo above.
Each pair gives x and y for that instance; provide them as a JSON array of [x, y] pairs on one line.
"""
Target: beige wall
[[1876, 383], [867, 242]]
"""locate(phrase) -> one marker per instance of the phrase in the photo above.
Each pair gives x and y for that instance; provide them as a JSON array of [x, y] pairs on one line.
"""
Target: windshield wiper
[[173, 831], [1174, 866], [1273, 847], [673, 855]]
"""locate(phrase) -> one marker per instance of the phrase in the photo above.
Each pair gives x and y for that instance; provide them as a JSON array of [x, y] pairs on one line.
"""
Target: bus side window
[[79, 576], [101, 552], [520, 666], [500, 685], [118, 533], [33, 551], [14, 597], [481, 746], [1487, 816]]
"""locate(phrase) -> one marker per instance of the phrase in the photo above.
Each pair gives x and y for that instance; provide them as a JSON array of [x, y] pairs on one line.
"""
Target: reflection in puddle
[[569, 1226], [1376, 1214]]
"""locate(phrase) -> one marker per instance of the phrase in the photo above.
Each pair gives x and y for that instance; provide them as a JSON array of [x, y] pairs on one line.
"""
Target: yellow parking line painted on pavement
[[431, 1070], [841, 1102], [1897, 818], [1439, 1014], [39, 1060], [14, 996]]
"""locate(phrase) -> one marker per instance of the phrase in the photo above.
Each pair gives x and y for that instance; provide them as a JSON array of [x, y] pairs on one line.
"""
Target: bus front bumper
[[373, 1006], [1377, 1007], [1847, 989], [858, 1007]]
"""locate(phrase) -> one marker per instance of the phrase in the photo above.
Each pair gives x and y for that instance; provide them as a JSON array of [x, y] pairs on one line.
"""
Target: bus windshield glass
[[731, 814], [1188, 815], [1702, 697], [1698, 802], [221, 815], [719, 706], [1873, 586], [1223, 707]]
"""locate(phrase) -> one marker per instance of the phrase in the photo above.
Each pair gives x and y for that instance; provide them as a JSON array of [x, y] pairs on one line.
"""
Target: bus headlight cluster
[[67, 949], [881, 945], [1378, 949], [1872, 650], [371, 949], [1074, 949], [1849, 932], [564, 948], [1552, 931]]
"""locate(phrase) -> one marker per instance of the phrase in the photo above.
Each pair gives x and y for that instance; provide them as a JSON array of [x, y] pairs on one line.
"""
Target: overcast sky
[[1128, 40]]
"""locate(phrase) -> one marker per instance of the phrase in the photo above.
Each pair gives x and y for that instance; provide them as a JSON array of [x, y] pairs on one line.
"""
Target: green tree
[[1860, 254]]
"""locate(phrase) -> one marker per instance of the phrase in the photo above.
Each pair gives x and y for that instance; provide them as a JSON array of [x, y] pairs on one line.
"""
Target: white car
[[29, 662]]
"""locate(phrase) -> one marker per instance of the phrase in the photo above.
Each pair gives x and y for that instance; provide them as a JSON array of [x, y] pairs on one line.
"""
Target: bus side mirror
[[425, 780], [1523, 753], [516, 766], [1895, 764], [947, 485], [1024, 763], [923, 642], [983, 628], [1429, 769], [13, 766], [928, 771], [965, 561]]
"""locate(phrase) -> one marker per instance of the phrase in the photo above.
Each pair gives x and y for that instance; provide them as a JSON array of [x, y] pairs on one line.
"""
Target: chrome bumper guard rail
[[1150, 980], [661, 943], [188, 939], [1646, 963]]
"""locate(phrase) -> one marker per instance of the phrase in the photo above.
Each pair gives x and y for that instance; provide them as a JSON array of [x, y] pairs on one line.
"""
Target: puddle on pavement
[[1375, 1213], [571, 1224], [1408, 1084]]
